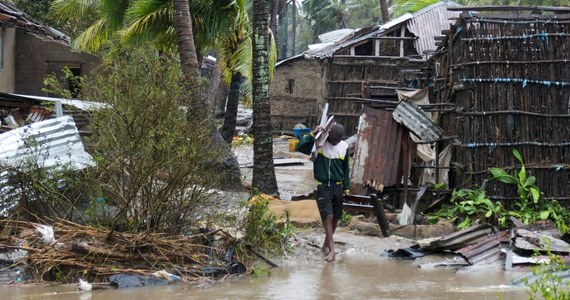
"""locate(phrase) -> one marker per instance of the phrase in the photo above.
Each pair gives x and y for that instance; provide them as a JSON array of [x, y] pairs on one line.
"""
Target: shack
[[380, 58], [29, 51], [506, 70]]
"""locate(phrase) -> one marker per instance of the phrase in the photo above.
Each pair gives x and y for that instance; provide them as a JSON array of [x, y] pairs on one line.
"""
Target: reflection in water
[[348, 278]]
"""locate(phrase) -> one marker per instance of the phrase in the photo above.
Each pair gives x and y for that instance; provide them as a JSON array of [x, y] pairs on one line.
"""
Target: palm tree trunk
[[273, 24], [215, 89], [293, 27], [222, 99], [229, 128], [226, 162], [187, 49], [384, 11], [283, 25], [264, 179]]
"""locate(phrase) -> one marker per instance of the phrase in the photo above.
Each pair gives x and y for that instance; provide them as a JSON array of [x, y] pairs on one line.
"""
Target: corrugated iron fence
[[509, 75]]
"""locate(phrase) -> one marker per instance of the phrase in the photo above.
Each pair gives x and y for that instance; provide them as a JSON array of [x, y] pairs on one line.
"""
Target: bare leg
[[325, 248], [329, 230]]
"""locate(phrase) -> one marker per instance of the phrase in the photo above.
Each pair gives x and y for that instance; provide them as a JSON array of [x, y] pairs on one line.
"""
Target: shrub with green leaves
[[472, 205], [263, 232], [548, 282], [152, 163]]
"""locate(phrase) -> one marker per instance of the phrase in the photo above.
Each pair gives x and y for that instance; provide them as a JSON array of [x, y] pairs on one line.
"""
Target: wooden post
[[402, 34], [380, 215]]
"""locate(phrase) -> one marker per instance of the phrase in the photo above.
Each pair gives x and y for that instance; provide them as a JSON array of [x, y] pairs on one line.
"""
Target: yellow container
[[293, 145]]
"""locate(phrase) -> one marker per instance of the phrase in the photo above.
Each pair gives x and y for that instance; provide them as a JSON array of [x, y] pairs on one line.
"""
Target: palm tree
[[326, 15], [187, 50], [384, 11], [167, 26], [263, 169], [235, 53]]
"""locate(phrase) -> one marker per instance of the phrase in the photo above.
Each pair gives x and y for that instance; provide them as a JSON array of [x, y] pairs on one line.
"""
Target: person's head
[[336, 134]]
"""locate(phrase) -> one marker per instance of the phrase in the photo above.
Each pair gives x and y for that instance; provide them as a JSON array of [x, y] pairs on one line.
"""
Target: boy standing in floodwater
[[331, 170]]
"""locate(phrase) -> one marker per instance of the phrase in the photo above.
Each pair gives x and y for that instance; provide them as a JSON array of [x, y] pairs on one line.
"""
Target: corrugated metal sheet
[[335, 35], [425, 24], [12, 15], [429, 22], [377, 152], [355, 37], [411, 116], [485, 251], [396, 21], [50, 143], [80, 104], [460, 239]]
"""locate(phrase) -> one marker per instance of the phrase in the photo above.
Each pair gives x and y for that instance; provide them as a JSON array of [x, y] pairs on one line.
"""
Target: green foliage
[[59, 85], [549, 285], [345, 218], [530, 206], [473, 205], [263, 232], [153, 165]]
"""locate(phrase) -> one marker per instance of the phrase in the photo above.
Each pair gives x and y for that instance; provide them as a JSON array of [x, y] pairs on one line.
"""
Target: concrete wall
[[7, 80], [38, 56], [294, 93]]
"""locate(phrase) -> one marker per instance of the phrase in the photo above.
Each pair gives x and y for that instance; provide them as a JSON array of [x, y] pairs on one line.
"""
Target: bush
[[263, 232], [152, 163]]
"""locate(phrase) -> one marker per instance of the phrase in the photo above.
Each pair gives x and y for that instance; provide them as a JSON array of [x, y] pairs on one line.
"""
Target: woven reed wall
[[510, 79]]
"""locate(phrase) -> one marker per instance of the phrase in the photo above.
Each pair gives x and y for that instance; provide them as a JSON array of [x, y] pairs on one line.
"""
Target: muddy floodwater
[[360, 271], [348, 278]]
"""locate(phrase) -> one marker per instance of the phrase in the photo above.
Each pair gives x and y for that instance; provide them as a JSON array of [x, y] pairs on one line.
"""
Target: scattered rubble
[[91, 254]]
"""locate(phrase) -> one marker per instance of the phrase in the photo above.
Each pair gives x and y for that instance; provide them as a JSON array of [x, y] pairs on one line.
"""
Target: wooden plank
[[380, 215], [322, 135]]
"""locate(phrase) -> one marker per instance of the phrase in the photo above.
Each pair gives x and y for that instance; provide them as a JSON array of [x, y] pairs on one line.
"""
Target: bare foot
[[330, 257], [325, 250]]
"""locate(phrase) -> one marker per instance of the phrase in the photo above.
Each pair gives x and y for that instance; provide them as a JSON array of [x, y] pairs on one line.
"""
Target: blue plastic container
[[299, 132]]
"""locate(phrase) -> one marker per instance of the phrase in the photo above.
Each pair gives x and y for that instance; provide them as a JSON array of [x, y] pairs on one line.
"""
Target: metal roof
[[336, 35], [355, 37], [80, 104], [56, 144], [10, 14], [414, 118], [429, 22], [425, 24]]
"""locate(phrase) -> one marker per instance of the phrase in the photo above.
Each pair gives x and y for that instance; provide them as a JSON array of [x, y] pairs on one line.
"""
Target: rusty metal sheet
[[461, 239], [412, 116], [486, 250], [377, 153]]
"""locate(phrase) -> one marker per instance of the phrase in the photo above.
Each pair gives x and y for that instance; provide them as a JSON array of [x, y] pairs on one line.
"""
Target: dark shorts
[[330, 200]]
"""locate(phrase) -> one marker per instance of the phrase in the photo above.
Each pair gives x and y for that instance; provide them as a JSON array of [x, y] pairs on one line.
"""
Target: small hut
[[507, 72], [377, 59]]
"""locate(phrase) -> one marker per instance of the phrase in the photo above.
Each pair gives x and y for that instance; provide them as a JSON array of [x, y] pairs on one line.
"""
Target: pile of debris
[[518, 247], [41, 252]]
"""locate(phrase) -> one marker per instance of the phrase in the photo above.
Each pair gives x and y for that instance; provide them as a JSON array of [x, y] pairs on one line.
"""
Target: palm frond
[[411, 6], [94, 37], [72, 9], [149, 21]]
